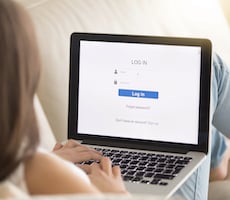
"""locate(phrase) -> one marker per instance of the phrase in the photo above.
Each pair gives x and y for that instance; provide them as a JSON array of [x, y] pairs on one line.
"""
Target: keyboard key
[[149, 175], [131, 167], [140, 168], [143, 163], [171, 161], [136, 179], [125, 156], [149, 169], [182, 162], [176, 171], [127, 178], [164, 176], [152, 164], [144, 158], [124, 171], [161, 160], [123, 166], [158, 170], [161, 165], [188, 158], [130, 172], [163, 183], [134, 162], [140, 174], [168, 171], [170, 166], [125, 161], [155, 181], [145, 181]]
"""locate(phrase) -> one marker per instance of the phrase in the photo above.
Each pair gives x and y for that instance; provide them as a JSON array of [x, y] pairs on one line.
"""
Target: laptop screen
[[140, 90]]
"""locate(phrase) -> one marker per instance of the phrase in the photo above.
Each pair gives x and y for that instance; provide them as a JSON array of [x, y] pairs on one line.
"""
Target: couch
[[55, 20]]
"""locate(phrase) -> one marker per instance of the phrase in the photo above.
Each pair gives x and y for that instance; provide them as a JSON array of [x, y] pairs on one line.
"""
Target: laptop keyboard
[[148, 168]]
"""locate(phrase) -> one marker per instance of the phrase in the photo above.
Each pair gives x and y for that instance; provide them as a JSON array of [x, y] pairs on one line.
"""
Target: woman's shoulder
[[45, 169], [45, 160], [48, 161]]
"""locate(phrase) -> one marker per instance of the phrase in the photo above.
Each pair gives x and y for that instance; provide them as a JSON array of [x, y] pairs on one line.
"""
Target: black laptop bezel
[[204, 114]]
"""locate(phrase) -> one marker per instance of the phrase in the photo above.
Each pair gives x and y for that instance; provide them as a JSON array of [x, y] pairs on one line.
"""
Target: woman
[[21, 161], [19, 74]]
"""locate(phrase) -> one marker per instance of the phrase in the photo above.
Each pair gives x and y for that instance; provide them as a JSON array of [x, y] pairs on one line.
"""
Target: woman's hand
[[75, 152], [105, 177]]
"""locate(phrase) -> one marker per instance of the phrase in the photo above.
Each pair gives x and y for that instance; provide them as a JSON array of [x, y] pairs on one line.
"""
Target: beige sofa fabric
[[225, 4], [47, 139]]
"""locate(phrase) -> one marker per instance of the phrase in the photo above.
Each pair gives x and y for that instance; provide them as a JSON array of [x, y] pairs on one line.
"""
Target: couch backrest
[[55, 20]]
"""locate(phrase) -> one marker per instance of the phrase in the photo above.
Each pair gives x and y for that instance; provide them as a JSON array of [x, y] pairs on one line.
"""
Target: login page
[[139, 91]]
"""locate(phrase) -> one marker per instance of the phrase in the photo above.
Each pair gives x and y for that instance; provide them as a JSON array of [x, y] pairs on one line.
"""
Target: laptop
[[144, 101]]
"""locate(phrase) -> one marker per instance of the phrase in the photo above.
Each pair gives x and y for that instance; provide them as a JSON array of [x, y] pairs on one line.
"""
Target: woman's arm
[[47, 174]]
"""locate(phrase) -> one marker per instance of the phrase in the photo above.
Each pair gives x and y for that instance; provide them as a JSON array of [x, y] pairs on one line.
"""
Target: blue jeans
[[196, 187]]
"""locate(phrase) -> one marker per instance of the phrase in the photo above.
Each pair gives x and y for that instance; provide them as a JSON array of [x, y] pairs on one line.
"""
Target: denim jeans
[[196, 187]]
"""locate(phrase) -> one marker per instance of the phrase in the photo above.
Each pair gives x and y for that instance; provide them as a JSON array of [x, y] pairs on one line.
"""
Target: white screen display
[[139, 91]]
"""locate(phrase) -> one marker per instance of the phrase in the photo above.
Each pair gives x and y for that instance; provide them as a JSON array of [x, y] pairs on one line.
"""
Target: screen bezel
[[204, 103]]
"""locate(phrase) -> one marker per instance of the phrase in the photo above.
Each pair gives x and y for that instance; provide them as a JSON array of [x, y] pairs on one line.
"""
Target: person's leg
[[220, 153], [196, 187], [220, 156], [221, 98]]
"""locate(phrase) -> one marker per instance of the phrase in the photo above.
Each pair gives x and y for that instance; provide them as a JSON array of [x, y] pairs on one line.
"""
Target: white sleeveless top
[[17, 178]]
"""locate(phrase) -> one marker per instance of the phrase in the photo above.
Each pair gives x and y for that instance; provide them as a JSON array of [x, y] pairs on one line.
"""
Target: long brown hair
[[19, 74]]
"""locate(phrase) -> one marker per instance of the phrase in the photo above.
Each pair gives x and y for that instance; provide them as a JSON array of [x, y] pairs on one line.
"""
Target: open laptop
[[144, 101]]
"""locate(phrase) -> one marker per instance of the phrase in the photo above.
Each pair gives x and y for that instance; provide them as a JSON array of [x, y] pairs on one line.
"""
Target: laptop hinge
[[136, 146]]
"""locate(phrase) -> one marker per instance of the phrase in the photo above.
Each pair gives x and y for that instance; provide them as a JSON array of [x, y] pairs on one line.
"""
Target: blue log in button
[[138, 93]]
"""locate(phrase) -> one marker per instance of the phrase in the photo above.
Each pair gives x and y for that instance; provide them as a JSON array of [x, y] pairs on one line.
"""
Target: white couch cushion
[[47, 139]]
